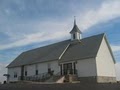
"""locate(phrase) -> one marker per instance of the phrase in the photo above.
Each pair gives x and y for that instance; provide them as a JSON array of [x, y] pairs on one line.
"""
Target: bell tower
[[76, 34]]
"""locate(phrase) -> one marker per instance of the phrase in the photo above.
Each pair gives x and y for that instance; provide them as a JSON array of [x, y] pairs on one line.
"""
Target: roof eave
[[110, 49], [77, 59], [104, 36]]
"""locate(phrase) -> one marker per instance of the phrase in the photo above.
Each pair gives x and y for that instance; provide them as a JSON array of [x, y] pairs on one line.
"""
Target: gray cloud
[[19, 31]]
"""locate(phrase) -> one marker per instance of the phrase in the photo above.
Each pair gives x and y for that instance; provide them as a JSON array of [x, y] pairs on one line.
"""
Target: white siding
[[104, 61], [30, 70], [77, 36], [42, 68], [11, 72], [55, 67], [80, 36], [86, 67]]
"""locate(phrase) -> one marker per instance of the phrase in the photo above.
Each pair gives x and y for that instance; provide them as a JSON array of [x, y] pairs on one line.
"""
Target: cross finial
[[74, 20]]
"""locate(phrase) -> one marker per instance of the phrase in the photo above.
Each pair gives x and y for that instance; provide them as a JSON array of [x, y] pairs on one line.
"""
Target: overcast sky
[[28, 24]]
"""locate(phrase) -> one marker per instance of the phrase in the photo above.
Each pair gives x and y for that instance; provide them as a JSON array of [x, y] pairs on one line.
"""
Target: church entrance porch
[[68, 68]]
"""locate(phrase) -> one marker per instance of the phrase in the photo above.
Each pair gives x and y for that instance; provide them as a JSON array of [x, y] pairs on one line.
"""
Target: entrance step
[[71, 78], [56, 79]]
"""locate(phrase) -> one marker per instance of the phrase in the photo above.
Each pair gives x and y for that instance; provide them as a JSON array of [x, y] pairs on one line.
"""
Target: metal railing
[[39, 77], [44, 76]]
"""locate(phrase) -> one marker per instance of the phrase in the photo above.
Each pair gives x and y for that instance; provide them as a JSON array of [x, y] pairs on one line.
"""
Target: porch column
[[74, 67], [61, 69]]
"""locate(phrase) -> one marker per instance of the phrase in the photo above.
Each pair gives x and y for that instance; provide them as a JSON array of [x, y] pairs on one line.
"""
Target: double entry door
[[67, 68]]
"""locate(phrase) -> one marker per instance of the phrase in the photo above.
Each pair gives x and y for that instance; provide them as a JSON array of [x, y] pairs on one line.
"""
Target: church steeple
[[74, 21], [75, 32]]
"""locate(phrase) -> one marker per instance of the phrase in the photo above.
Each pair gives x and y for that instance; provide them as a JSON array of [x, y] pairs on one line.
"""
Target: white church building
[[90, 59]]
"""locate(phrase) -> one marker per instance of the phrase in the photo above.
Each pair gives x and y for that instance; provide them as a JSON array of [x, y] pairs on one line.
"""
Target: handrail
[[46, 75], [39, 77]]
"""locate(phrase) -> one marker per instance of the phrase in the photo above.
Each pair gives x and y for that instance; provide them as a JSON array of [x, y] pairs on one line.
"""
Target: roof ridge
[[94, 36], [46, 45]]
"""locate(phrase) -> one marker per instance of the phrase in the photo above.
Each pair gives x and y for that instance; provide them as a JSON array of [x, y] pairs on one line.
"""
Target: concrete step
[[71, 78], [55, 79]]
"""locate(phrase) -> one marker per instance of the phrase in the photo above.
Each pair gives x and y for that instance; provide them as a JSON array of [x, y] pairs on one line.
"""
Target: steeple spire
[[74, 20], [75, 32]]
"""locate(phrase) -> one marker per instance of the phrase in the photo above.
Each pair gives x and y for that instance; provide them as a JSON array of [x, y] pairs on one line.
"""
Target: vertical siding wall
[[11, 73], [30, 70], [104, 61], [42, 68], [86, 67], [55, 66]]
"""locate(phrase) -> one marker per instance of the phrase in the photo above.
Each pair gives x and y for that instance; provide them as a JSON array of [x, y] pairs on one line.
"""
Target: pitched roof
[[46, 53], [88, 47], [75, 29]]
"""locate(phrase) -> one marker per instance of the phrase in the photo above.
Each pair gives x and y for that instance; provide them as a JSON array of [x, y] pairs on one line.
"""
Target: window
[[15, 74], [36, 72], [36, 69], [25, 73], [73, 36], [49, 70]]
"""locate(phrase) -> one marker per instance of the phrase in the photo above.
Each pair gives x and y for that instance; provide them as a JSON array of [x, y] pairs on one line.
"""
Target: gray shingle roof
[[46, 53], [88, 47]]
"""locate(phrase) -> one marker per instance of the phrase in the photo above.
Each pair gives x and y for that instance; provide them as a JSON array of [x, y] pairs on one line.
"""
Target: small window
[[25, 73], [36, 72], [25, 70], [49, 70], [15, 74], [73, 36]]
